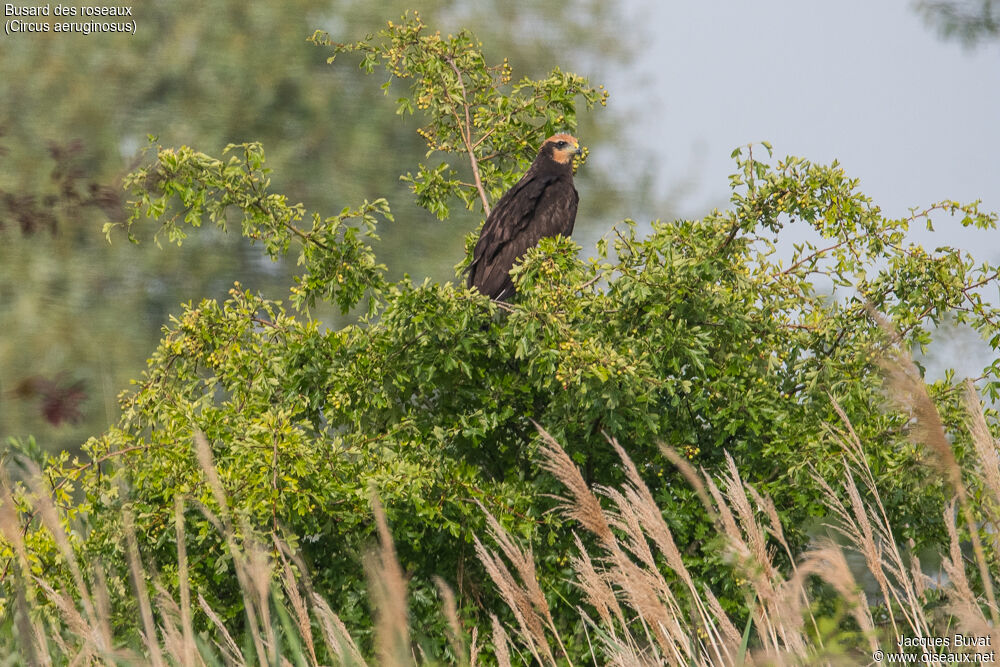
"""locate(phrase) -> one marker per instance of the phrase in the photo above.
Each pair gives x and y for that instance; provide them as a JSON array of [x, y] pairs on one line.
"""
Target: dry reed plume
[[643, 606]]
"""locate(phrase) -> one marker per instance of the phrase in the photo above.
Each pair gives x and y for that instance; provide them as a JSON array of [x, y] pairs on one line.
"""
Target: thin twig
[[590, 282], [466, 132]]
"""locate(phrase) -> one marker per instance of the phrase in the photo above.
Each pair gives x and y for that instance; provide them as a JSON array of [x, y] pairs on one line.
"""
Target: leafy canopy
[[470, 110]]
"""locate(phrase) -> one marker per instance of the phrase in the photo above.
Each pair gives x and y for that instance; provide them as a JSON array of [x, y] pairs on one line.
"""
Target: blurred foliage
[[205, 74], [696, 335], [971, 22]]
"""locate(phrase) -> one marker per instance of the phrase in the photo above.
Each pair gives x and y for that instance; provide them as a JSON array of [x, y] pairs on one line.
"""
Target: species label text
[[59, 18]]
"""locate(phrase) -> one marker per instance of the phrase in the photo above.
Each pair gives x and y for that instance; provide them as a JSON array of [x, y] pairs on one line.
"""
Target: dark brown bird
[[542, 204]]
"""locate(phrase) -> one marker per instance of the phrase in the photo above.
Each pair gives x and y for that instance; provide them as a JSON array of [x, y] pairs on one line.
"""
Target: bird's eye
[[561, 144]]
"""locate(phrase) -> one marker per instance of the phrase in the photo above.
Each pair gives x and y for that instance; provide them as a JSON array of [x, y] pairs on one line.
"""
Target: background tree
[[971, 22]]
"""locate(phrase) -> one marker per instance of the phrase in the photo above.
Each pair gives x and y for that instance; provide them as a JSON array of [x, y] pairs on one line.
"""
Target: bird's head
[[562, 147]]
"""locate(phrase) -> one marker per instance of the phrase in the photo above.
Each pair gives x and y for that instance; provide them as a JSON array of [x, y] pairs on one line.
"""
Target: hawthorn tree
[[694, 334]]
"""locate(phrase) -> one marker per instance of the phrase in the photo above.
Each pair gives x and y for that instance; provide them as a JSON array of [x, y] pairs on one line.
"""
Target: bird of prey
[[543, 203]]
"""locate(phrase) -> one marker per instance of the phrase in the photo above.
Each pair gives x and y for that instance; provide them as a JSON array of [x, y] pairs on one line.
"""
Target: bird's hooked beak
[[575, 151]]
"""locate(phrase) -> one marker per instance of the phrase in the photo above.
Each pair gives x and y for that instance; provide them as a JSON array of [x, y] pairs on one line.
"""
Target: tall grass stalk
[[642, 606]]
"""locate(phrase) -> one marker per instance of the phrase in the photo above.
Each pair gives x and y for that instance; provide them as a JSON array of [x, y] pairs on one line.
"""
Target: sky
[[914, 117]]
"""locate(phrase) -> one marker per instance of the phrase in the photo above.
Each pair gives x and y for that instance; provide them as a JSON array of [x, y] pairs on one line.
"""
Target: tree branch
[[466, 132]]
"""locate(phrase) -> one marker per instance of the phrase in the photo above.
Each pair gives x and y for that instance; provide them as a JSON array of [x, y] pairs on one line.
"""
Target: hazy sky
[[916, 118]]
